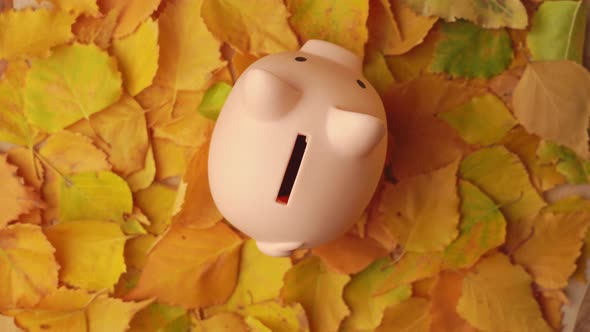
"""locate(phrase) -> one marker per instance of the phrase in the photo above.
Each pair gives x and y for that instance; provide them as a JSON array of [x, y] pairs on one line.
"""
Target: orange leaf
[[198, 209], [445, 297], [423, 142], [191, 267], [410, 315], [551, 252], [349, 254]]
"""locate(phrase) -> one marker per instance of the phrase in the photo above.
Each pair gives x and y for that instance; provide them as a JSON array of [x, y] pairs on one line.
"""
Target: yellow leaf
[[256, 325], [412, 315], [544, 176], [94, 196], [423, 211], [482, 228], [204, 274], [501, 175], [159, 317], [411, 267], [144, 177], [278, 318], [30, 33], [78, 6], [137, 250], [15, 198], [120, 130], [413, 63], [133, 12], [366, 306], [341, 22], [28, 270], [191, 130], [188, 51], [75, 82], [90, 253], [482, 120], [157, 202], [260, 278], [551, 252], [77, 311], [256, 27], [13, 124], [61, 154], [445, 296], [395, 29], [421, 141], [138, 68], [349, 254], [311, 282], [497, 296], [171, 159], [550, 100], [71, 153], [376, 70], [224, 322]]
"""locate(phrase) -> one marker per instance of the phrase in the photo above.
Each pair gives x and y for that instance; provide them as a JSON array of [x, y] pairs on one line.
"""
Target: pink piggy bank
[[298, 148]]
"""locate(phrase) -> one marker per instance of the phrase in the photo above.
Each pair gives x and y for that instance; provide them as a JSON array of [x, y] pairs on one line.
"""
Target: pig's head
[[298, 148]]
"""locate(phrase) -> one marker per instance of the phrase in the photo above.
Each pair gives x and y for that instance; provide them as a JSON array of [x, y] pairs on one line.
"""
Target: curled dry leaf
[[510, 13]]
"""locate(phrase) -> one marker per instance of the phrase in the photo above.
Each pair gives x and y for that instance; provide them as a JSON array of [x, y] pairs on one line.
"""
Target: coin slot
[[292, 169]]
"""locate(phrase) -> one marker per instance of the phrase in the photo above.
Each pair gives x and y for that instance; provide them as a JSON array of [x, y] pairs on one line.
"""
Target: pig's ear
[[266, 96], [353, 134]]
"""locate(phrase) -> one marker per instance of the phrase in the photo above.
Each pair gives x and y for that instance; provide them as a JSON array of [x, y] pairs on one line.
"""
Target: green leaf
[[466, 50], [482, 228], [75, 82], [367, 307], [94, 196], [488, 14], [558, 31], [214, 99], [501, 175], [482, 120], [575, 169]]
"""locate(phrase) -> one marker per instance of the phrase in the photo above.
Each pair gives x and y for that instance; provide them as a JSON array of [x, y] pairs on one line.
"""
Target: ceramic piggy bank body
[[298, 148]]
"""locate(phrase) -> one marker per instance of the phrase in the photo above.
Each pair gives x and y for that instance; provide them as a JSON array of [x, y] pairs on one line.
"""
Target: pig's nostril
[[292, 169]]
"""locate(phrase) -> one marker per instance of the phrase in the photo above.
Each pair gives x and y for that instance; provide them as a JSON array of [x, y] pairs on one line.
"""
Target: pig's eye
[[361, 84], [300, 59]]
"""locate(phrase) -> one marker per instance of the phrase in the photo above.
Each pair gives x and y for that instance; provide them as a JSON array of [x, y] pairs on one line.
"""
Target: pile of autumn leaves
[[106, 221]]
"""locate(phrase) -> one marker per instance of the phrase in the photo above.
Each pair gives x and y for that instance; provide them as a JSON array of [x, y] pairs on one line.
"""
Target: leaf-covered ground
[[107, 223]]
